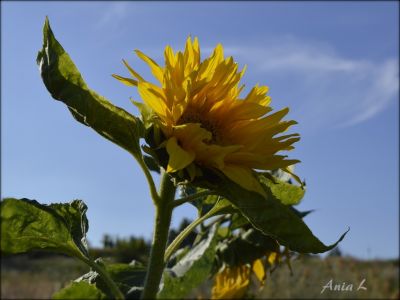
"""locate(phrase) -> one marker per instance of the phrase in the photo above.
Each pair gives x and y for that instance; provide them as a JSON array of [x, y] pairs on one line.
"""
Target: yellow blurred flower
[[231, 283], [259, 270], [204, 120]]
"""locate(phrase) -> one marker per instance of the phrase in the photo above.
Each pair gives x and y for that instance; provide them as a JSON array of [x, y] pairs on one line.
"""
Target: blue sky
[[335, 64]]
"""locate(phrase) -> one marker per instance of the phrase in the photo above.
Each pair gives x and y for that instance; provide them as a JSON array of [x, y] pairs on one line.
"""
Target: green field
[[39, 276]]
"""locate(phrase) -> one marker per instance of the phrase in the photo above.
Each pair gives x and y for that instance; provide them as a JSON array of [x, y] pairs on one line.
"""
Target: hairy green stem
[[150, 181], [179, 239], [191, 198], [160, 238], [106, 277]]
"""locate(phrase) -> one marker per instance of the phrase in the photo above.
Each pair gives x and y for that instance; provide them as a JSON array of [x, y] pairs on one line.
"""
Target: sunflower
[[206, 123], [231, 283]]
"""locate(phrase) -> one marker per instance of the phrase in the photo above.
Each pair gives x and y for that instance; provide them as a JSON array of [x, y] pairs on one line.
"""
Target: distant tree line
[[125, 250]]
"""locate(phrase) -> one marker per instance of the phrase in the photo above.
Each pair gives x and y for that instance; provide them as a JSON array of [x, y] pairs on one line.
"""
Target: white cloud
[[332, 90], [114, 13], [381, 92]]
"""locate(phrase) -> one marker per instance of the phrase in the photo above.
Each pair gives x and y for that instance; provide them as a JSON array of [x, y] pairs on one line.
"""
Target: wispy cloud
[[112, 15], [382, 91], [334, 90]]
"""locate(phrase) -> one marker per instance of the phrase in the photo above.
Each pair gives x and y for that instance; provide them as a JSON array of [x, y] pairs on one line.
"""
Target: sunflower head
[[201, 120], [231, 282]]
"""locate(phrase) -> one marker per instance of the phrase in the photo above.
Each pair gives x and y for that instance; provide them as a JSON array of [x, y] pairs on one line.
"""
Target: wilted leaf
[[268, 214], [191, 270], [27, 225], [80, 290], [65, 83]]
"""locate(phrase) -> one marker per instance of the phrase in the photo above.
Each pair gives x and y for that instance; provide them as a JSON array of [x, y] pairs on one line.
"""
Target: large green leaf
[[245, 248], [27, 225], [65, 83], [191, 270], [80, 290], [288, 194], [129, 278], [268, 214]]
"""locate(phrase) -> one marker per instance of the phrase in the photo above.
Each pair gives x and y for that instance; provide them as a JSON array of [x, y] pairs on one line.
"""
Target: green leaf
[[245, 248], [129, 278], [301, 214], [238, 221], [64, 82], [27, 225], [191, 270], [80, 290], [268, 215], [288, 194]]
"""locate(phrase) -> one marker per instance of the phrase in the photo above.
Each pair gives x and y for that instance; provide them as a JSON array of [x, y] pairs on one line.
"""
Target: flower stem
[[160, 238], [179, 239], [106, 277]]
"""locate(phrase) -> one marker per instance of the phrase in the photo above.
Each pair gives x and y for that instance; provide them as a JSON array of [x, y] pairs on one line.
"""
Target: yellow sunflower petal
[[191, 134], [156, 70], [243, 177], [209, 66], [215, 155], [231, 283], [132, 71], [126, 81], [179, 158], [273, 258], [189, 56], [152, 95], [259, 270], [169, 57], [258, 94], [247, 110]]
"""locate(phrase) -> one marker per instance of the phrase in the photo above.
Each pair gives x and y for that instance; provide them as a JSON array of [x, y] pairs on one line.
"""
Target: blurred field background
[[38, 275]]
